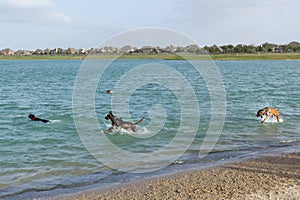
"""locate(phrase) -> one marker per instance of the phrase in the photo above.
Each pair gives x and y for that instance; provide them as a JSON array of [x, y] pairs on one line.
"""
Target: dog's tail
[[140, 121]]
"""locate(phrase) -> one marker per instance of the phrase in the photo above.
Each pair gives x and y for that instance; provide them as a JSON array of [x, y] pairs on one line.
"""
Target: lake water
[[37, 157]]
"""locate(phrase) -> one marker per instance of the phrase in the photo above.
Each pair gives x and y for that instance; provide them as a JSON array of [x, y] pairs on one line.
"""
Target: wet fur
[[34, 118], [117, 123], [269, 112]]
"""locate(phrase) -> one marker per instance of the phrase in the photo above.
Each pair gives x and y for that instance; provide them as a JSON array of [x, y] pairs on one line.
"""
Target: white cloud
[[27, 3], [32, 11], [59, 17]]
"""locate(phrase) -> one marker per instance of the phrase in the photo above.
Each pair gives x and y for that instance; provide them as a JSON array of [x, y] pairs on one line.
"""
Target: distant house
[[108, 50], [214, 49], [180, 49], [228, 48], [268, 48], [7, 52], [103, 50], [93, 50], [23, 53], [27, 53], [47, 51], [192, 48], [19, 53], [170, 49], [278, 49], [149, 50], [38, 52], [136, 50], [125, 49], [82, 51], [71, 51], [56, 51]]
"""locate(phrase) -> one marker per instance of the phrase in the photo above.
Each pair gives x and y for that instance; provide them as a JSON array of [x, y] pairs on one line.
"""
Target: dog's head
[[31, 116], [260, 113], [109, 116]]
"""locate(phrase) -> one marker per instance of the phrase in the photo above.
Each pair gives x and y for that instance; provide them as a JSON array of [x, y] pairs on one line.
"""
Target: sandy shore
[[270, 177]]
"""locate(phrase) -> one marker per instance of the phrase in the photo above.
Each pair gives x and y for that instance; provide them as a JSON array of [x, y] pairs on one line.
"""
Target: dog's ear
[[259, 113], [110, 112]]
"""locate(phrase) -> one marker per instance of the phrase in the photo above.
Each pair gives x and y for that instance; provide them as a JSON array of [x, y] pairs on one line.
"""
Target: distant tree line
[[292, 47]]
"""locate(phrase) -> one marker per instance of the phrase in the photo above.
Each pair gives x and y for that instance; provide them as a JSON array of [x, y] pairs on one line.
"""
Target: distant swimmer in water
[[109, 91], [34, 118]]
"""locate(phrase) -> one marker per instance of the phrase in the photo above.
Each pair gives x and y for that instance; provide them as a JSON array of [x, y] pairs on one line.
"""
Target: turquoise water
[[35, 156]]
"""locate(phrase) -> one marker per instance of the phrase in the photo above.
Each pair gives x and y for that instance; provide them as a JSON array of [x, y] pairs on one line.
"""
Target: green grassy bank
[[265, 56], [43, 57]]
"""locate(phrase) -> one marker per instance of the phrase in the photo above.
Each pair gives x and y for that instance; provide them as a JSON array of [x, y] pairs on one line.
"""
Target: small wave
[[120, 131], [142, 132], [288, 141], [48, 188], [179, 162], [55, 121]]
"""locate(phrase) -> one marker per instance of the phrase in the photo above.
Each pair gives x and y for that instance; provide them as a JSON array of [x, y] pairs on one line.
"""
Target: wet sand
[[269, 177]]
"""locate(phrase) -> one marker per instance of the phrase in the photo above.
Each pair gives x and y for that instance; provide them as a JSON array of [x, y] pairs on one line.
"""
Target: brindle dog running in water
[[119, 123]]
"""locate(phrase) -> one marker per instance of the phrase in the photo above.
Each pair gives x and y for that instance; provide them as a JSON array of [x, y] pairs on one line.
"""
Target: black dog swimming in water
[[34, 118]]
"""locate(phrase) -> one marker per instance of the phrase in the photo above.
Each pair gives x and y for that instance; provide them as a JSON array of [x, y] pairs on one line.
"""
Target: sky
[[33, 24]]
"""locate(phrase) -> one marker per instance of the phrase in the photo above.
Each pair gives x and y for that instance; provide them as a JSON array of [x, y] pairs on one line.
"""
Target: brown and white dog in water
[[119, 123], [269, 112]]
